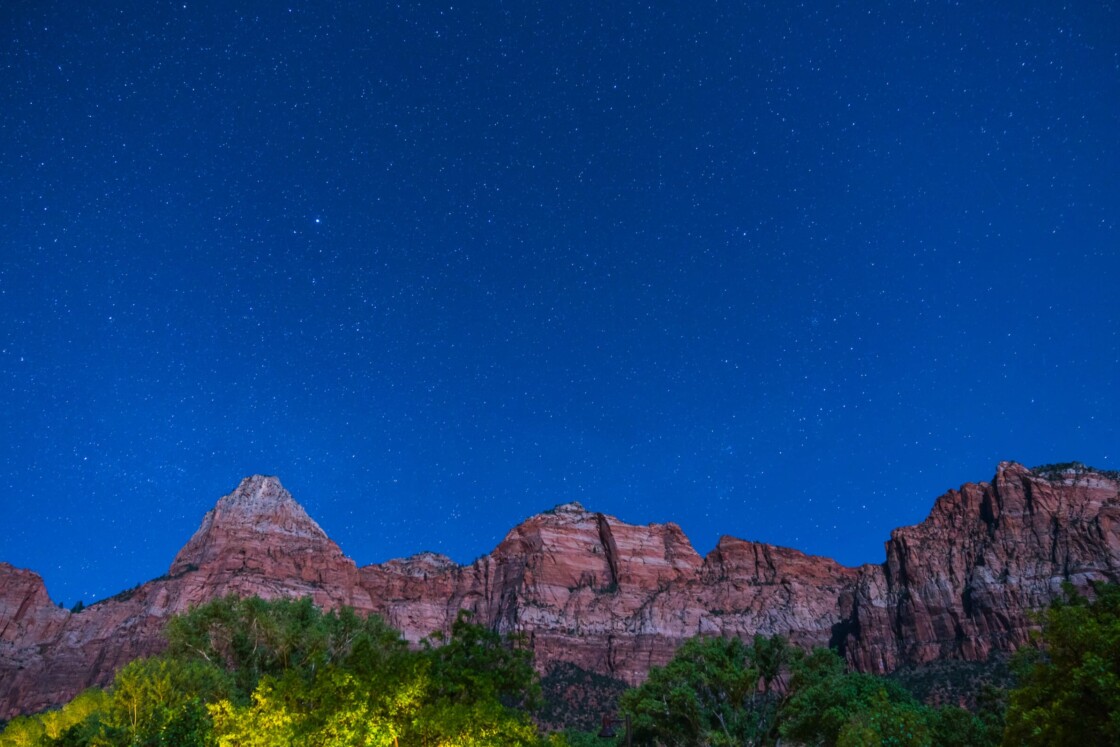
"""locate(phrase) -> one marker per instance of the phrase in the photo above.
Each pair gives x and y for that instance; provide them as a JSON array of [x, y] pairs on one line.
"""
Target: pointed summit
[[260, 501], [258, 488], [259, 520]]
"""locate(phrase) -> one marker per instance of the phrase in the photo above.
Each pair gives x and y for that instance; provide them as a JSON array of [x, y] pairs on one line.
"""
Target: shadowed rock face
[[962, 583], [611, 597]]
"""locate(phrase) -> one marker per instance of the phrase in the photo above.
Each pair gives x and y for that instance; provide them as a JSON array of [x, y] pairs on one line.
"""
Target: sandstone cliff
[[962, 583], [611, 597], [257, 540]]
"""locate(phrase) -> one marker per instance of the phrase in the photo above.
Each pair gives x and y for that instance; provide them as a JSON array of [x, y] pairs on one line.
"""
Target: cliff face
[[611, 597], [962, 583], [258, 540], [615, 598]]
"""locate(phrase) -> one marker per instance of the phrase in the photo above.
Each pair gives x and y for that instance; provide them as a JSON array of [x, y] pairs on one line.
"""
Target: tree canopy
[[722, 691], [1069, 679], [255, 672]]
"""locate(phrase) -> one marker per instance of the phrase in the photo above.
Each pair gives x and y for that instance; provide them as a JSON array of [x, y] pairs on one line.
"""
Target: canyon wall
[[608, 596]]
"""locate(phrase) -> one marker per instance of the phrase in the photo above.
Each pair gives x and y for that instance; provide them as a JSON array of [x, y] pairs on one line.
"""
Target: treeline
[[256, 673], [724, 692], [251, 673]]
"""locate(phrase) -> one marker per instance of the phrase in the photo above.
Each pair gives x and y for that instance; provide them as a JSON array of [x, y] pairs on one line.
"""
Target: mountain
[[609, 597]]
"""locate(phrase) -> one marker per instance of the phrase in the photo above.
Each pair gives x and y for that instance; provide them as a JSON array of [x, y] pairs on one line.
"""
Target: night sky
[[785, 273]]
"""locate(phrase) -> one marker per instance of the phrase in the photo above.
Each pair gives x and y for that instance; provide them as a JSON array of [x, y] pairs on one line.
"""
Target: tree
[[267, 722], [161, 701], [717, 691], [479, 688], [477, 664], [78, 719], [1069, 680], [828, 705], [23, 731], [888, 723], [258, 673], [950, 725], [253, 638]]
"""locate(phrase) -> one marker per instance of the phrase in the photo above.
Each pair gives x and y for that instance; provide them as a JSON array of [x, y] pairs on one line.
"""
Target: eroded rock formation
[[611, 597], [962, 583]]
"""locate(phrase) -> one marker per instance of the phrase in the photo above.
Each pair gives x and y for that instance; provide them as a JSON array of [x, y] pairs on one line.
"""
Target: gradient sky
[[786, 273]]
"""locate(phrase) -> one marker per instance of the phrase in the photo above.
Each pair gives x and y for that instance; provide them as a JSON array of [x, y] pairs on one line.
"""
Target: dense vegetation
[[1062, 470], [1069, 683], [722, 692], [256, 673]]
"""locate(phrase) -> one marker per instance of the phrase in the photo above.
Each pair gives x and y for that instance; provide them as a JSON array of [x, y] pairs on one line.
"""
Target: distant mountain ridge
[[610, 597]]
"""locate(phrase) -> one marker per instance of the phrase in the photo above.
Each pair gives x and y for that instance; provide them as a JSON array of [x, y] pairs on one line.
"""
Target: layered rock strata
[[611, 597], [965, 581]]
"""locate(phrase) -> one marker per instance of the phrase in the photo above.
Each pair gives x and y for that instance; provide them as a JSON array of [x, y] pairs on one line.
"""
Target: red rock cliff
[[963, 582], [611, 597]]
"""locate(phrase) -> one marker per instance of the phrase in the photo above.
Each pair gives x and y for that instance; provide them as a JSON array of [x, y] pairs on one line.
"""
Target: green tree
[[266, 722], [161, 701], [480, 688], [888, 723], [23, 731], [950, 725], [78, 721], [718, 691], [253, 637], [477, 664], [824, 699], [1069, 681], [450, 695], [481, 723], [258, 673], [829, 705]]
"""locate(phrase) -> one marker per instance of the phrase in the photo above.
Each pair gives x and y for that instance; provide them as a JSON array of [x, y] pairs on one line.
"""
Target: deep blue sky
[[786, 273]]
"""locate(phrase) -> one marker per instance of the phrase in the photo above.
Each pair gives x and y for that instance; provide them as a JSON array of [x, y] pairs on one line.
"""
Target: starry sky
[[785, 271]]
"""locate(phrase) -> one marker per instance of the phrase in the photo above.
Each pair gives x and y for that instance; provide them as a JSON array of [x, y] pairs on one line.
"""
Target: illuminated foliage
[[268, 722], [161, 701], [252, 638], [24, 731], [255, 673]]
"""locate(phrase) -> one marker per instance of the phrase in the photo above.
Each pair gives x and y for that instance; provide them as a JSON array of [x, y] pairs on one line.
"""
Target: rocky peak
[[1011, 468], [614, 598], [262, 502], [1076, 473], [259, 515], [570, 547], [571, 507], [421, 564], [767, 564]]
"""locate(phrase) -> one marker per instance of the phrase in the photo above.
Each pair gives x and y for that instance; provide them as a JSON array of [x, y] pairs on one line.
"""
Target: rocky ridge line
[[610, 597]]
